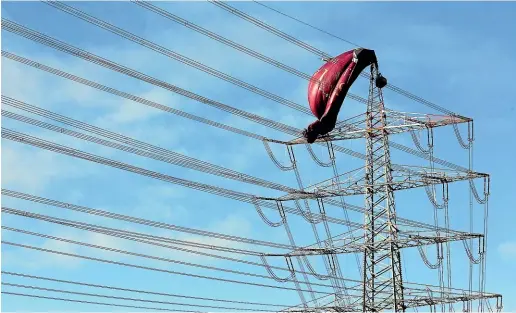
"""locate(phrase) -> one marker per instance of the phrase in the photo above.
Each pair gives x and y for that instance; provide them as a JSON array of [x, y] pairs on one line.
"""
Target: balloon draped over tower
[[329, 86]]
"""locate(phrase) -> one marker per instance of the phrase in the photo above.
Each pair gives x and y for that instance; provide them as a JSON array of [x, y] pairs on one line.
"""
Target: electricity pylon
[[383, 237]]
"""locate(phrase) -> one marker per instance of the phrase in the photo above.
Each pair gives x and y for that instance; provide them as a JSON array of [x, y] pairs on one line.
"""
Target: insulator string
[[425, 258], [274, 159], [316, 159]]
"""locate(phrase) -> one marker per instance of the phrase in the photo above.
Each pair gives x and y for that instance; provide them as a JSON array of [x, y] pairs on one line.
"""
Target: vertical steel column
[[382, 283]]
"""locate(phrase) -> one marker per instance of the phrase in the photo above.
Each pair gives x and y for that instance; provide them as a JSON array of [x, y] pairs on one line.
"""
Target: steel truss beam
[[354, 244], [414, 298], [396, 123], [405, 177]]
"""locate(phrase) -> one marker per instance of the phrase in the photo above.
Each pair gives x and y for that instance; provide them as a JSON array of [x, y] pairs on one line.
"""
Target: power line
[[26, 139], [138, 290], [59, 45], [173, 55], [157, 258], [320, 53], [455, 290], [153, 240], [231, 194], [135, 236], [305, 23], [63, 119], [93, 139], [271, 29], [170, 110], [215, 190], [140, 221], [129, 299], [92, 227], [150, 268], [265, 121], [107, 143], [103, 142], [128, 96], [147, 256], [276, 63], [161, 154], [62, 46], [239, 47], [22, 31], [142, 255], [89, 302], [72, 207], [138, 99], [162, 50]]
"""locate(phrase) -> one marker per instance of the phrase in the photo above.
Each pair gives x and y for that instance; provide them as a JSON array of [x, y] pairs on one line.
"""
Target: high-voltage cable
[[305, 23], [124, 264], [171, 156], [140, 221], [65, 120], [116, 216], [97, 22], [153, 240], [59, 45], [203, 187], [89, 302], [174, 55], [231, 194], [271, 61], [140, 291], [129, 299], [320, 53], [88, 56], [149, 6], [168, 109]]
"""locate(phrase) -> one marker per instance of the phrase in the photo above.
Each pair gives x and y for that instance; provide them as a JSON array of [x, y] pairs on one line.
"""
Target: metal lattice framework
[[382, 261], [381, 238]]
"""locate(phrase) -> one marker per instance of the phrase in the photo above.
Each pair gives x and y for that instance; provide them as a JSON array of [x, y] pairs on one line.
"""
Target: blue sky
[[458, 55]]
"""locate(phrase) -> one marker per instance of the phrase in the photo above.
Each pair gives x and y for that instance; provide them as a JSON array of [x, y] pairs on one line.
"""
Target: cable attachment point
[[258, 208], [273, 275], [465, 306], [316, 159], [320, 204], [274, 159], [499, 304], [380, 81], [487, 182]]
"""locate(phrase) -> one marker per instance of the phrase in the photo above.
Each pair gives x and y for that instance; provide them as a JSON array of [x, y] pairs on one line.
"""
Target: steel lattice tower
[[382, 262], [383, 235]]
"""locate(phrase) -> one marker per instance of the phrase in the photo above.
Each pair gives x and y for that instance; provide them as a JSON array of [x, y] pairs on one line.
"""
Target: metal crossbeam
[[396, 123], [355, 183], [352, 244], [414, 298]]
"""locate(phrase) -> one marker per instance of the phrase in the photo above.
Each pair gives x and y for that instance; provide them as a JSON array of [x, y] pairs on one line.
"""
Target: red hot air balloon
[[329, 86]]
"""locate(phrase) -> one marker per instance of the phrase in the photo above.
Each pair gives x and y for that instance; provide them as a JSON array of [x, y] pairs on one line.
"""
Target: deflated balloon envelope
[[329, 86]]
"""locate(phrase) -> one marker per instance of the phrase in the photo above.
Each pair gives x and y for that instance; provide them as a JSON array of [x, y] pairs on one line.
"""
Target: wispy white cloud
[[128, 112], [230, 225], [161, 202], [24, 259], [21, 172], [507, 250]]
